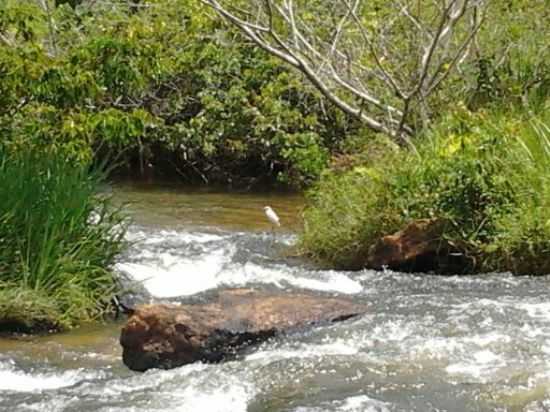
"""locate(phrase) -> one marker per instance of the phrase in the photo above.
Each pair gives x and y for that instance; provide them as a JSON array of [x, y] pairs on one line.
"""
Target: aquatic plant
[[58, 239]]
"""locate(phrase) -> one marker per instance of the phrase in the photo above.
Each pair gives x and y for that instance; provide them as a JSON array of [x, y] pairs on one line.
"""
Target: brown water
[[176, 206], [89, 346], [427, 343]]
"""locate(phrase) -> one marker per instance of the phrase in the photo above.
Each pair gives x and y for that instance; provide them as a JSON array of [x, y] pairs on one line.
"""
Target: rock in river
[[418, 247], [168, 336]]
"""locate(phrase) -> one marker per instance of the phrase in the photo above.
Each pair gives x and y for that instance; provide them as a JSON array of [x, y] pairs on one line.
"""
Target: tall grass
[[58, 239], [522, 240], [486, 175]]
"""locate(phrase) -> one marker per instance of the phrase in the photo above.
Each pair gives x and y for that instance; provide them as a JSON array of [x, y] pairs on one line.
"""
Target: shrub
[[58, 238], [165, 85]]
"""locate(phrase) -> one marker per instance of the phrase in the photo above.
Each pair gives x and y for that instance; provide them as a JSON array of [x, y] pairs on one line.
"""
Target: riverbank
[[477, 183], [23, 309]]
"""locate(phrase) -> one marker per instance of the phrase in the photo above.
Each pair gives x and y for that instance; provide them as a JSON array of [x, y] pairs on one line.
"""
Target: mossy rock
[[24, 310]]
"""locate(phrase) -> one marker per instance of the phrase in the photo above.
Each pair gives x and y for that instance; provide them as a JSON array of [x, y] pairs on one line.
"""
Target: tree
[[379, 61]]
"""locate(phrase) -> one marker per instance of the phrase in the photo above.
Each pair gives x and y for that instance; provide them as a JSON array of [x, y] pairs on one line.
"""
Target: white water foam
[[15, 380], [326, 281], [364, 403], [175, 276], [339, 347], [190, 388], [360, 403], [162, 236], [172, 272], [539, 310], [181, 277], [227, 398], [139, 383], [480, 366], [214, 388]]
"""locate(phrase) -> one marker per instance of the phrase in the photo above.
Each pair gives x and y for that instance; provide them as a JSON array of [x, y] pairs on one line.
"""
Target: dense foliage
[[173, 91], [485, 175], [58, 239], [165, 86], [482, 168]]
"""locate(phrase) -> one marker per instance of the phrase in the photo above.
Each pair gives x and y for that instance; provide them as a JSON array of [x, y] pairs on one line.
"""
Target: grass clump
[[58, 239], [23, 309], [485, 175]]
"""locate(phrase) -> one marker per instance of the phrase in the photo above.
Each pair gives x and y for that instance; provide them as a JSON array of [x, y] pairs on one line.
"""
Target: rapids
[[427, 343]]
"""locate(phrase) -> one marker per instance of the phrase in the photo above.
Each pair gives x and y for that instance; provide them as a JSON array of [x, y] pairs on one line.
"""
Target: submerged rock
[[168, 336]]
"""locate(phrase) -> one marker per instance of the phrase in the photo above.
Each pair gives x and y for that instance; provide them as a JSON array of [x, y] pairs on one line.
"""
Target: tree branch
[[377, 66]]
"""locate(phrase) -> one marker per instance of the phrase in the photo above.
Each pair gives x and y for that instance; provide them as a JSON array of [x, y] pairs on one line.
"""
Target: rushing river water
[[427, 343]]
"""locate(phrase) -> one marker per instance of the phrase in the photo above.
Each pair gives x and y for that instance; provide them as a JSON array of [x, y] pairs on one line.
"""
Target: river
[[427, 343]]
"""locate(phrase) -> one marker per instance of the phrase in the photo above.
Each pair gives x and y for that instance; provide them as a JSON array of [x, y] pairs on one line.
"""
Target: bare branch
[[51, 26], [377, 65], [459, 55]]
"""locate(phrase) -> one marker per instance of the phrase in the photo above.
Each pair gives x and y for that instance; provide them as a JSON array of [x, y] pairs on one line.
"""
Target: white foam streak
[[19, 381], [332, 282], [174, 276], [360, 403], [162, 236], [364, 403], [228, 398], [327, 281], [539, 310], [339, 347], [191, 263]]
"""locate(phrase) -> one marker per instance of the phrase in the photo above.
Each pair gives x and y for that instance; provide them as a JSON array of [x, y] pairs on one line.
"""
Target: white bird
[[272, 216]]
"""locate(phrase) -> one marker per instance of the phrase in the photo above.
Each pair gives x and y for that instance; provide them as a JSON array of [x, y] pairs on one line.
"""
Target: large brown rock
[[168, 336], [417, 247]]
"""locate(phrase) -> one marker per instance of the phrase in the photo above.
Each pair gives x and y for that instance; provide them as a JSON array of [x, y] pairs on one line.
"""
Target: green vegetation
[[165, 85], [481, 167], [485, 175], [58, 238]]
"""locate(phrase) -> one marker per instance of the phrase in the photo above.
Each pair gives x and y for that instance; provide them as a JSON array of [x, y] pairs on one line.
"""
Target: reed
[[58, 240]]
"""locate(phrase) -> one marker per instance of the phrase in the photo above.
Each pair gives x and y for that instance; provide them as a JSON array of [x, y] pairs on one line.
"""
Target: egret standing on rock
[[272, 216]]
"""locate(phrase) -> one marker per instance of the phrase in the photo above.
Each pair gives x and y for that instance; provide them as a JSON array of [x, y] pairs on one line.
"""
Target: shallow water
[[427, 343]]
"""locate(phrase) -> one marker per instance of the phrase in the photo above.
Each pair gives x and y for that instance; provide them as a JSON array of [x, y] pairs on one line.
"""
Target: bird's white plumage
[[272, 216]]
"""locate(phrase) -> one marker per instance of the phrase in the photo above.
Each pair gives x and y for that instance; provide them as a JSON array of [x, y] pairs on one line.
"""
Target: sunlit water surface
[[427, 343]]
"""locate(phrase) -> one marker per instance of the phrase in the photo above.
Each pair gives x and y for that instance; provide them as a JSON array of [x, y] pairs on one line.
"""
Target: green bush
[[171, 86], [512, 68], [485, 175], [58, 239], [165, 85]]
